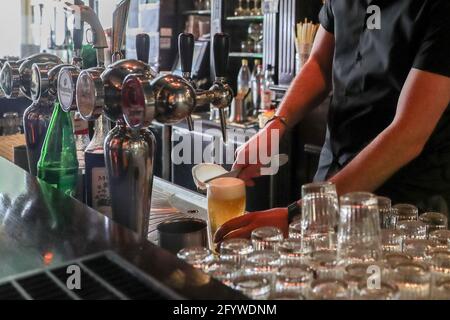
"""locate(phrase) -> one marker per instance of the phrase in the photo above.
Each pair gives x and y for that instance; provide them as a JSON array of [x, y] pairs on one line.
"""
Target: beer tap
[[127, 150], [99, 89], [15, 78], [170, 98], [186, 43], [44, 77], [18, 78], [68, 76], [221, 94]]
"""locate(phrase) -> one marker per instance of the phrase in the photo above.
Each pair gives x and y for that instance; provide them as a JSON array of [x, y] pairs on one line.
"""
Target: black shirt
[[370, 68]]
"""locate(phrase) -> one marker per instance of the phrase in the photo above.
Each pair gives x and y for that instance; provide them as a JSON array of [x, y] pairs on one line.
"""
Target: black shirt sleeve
[[434, 51], [326, 17]]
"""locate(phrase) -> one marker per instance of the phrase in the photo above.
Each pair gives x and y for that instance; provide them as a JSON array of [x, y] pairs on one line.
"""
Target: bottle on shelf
[[244, 75], [81, 132], [96, 177], [242, 102], [244, 83], [256, 86], [58, 164], [268, 95]]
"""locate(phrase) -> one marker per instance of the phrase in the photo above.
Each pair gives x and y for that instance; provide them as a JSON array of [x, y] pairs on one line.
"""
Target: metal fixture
[[170, 98]]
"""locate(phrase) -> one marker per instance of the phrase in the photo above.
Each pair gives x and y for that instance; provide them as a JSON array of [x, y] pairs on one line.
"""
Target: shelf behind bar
[[245, 18], [197, 12], [246, 55]]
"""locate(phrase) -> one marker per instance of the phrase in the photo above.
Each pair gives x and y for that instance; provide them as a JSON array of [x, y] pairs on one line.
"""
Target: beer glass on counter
[[226, 200]]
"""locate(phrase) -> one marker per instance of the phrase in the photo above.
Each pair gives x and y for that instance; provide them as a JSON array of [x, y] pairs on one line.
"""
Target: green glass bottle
[[58, 164]]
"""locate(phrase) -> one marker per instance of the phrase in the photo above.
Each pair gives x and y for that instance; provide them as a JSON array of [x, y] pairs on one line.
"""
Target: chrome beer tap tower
[[168, 99], [68, 75], [16, 79], [127, 150]]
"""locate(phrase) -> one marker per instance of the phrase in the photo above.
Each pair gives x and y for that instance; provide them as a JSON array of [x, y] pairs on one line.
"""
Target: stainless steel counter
[[171, 202], [41, 228]]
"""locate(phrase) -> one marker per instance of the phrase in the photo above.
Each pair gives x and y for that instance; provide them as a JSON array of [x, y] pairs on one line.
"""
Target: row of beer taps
[[129, 93]]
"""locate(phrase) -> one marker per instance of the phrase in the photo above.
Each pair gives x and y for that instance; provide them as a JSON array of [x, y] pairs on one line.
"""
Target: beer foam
[[226, 188]]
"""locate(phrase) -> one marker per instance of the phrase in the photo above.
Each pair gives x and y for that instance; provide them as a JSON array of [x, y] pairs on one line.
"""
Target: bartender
[[388, 123]]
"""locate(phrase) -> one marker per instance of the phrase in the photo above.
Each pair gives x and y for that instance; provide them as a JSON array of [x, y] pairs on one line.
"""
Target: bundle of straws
[[305, 34]]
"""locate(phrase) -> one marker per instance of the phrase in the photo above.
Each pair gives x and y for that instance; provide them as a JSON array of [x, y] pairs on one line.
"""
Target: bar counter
[[42, 229]]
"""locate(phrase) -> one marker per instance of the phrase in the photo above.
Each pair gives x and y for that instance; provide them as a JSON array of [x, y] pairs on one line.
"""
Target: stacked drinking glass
[[356, 247]]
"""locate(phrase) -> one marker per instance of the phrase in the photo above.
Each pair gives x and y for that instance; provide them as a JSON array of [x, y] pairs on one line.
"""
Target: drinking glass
[[222, 270], [440, 265], [324, 263], [386, 213], [226, 200], [419, 249], [441, 238], [256, 11], [255, 32], [319, 216], [441, 290], [413, 280], [239, 11], [198, 257], [386, 291], [265, 263], [295, 230], [405, 211], [359, 232], [286, 295], [392, 259], [247, 10], [329, 289], [434, 221], [235, 250], [392, 240], [355, 273], [266, 238], [413, 229], [291, 251], [10, 123], [256, 287], [294, 278]]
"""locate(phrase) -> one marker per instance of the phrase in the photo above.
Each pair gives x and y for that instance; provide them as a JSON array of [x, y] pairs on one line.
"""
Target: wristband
[[283, 120]]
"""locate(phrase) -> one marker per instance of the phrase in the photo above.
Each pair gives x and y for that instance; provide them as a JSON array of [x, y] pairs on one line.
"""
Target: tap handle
[[223, 124], [143, 47], [77, 38], [186, 44], [221, 51]]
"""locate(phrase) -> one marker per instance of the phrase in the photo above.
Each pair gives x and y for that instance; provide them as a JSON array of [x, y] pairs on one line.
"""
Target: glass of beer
[[226, 200]]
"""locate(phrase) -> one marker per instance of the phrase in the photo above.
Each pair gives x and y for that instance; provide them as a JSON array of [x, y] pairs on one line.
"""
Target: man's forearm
[[387, 154], [309, 89], [312, 84], [425, 96]]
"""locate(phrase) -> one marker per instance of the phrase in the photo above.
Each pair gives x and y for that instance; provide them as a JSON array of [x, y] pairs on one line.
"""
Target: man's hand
[[242, 227], [248, 157], [309, 88]]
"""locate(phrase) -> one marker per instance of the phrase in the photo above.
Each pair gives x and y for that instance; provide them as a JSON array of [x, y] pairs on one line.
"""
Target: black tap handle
[[143, 47], [186, 44], [78, 38], [221, 52]]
